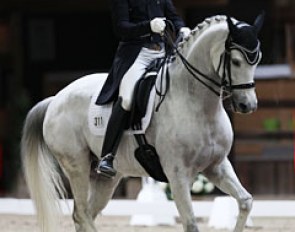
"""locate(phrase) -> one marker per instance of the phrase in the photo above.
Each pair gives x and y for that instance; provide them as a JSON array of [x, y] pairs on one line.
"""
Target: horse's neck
[[201, 53]]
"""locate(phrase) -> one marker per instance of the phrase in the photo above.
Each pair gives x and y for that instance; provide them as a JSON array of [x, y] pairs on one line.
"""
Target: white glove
[[158, 25], [185, 31]]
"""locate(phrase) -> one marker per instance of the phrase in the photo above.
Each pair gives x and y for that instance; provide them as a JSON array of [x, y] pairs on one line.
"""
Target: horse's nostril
[[243, 106]]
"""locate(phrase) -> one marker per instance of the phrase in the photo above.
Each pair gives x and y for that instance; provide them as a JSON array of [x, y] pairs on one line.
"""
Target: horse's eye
[[236, 63]]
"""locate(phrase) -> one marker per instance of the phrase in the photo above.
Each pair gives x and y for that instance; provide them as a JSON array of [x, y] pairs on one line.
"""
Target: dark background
[[44, 45]]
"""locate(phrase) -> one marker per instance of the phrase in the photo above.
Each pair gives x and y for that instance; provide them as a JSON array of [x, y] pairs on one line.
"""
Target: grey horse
[[191, 131]]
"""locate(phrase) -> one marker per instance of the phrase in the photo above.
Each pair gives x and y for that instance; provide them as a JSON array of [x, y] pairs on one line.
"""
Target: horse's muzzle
[[245, 107]]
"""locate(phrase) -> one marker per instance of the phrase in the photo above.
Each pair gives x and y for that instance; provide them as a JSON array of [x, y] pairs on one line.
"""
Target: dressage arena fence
[[261, 208], [224, 209], [153, 208]]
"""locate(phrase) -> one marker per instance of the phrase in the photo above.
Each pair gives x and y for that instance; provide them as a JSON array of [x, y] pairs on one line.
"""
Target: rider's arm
[[171, 14], [122, 25]]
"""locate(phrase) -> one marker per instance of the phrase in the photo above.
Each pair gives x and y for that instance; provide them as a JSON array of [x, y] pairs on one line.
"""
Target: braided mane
[[199, 29]]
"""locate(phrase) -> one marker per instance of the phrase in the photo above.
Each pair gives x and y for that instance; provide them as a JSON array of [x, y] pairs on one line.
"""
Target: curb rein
[[225, 85]]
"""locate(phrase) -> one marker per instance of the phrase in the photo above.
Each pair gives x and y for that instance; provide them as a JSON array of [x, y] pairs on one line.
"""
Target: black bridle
[[225, 86], [226, 56], [225, 61]]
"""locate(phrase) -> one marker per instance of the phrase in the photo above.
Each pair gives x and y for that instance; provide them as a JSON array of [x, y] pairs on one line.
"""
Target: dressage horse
[[191, 131]]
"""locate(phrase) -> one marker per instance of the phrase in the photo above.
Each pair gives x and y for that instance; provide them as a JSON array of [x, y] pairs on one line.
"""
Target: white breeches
[[134, 73]]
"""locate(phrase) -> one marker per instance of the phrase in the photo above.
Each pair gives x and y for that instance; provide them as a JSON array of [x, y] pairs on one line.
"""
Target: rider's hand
[[158, 25], [185, 32]]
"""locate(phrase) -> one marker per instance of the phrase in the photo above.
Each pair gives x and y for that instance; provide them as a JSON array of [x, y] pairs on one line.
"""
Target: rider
[[140, 25]]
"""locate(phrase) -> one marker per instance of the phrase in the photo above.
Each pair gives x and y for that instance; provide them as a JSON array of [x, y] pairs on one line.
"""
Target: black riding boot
[[114, 132]]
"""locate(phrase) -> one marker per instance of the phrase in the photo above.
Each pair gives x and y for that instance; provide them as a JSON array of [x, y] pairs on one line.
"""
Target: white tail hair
[[40, 167]]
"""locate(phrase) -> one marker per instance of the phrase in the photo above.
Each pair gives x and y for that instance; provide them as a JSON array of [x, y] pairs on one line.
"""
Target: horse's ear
[[231, 25], [259, 22]]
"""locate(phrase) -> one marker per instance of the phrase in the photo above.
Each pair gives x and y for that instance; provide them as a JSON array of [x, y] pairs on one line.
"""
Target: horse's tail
[[42, 176]]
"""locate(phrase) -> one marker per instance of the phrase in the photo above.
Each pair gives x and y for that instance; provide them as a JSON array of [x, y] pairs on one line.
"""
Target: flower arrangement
[[201, 186]]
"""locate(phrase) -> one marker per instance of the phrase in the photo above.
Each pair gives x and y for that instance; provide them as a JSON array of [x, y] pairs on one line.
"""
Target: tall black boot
[[115, 129]]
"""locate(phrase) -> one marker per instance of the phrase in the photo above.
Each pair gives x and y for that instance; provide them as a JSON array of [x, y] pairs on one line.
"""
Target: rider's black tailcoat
[[131, 23]]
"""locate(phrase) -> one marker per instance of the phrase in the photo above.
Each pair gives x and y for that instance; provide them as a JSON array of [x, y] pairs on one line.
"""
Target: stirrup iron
[[105, 166]]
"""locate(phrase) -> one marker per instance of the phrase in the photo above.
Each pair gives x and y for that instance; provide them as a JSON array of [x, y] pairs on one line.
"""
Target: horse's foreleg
[[225, 178], [180, 187], [101, 191]]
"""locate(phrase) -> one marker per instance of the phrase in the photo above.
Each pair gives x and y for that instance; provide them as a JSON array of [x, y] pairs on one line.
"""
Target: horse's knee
[[245, 204]]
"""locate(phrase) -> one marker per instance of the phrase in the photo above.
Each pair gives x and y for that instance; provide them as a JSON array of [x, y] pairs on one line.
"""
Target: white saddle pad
[[98, 116]]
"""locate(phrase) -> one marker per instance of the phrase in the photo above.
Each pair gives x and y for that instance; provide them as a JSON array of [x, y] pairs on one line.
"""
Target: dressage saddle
[[146, 154]]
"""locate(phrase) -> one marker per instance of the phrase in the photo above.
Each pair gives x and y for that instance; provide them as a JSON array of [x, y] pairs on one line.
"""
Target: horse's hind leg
[[101, 191], [225, 178], [77, 169]]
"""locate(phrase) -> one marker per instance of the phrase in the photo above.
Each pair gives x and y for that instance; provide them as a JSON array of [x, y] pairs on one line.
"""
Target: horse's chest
[[211, 148]]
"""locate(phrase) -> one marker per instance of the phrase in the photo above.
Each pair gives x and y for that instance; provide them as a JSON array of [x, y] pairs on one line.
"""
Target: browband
[[251, 56]]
